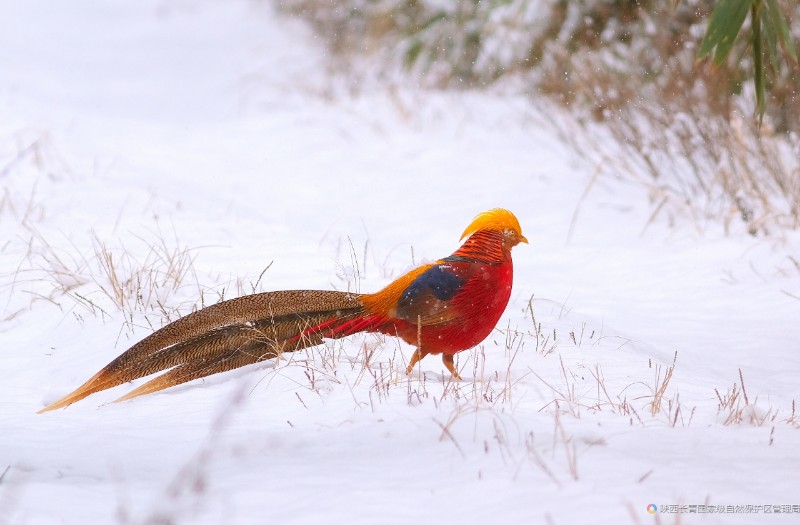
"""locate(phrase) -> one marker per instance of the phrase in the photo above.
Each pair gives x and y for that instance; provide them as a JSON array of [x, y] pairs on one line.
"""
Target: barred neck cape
[[483, 246], [443, 307]]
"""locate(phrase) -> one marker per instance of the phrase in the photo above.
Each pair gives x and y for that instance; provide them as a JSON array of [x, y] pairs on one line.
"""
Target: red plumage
[[455, 304], [467, 317], [477, 309]]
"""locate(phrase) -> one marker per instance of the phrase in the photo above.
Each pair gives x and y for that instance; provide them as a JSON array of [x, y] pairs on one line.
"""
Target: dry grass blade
[[661, 385]]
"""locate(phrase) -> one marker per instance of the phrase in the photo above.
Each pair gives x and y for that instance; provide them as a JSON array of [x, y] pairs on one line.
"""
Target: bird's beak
[[523, 239]]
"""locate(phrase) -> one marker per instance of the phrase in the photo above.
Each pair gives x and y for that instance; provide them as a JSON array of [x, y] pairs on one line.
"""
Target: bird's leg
[[447, 359], [416, 358]]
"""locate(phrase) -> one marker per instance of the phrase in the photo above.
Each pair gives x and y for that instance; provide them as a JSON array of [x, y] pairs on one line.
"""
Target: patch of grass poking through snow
[[793, 419], [132, 284], [543, 343], [734, 408], [697, 167], [661, 386], [115, 279], [149, 281]]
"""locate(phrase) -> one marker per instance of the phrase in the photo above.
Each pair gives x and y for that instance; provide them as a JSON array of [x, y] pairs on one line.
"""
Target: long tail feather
[[225, 336], [204, 358], [186, 372]]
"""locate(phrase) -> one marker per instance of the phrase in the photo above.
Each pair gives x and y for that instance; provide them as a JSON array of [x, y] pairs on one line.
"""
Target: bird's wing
[[428, 298]]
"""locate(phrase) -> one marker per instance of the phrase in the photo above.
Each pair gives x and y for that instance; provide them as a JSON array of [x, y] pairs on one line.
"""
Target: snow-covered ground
[[190, 145]]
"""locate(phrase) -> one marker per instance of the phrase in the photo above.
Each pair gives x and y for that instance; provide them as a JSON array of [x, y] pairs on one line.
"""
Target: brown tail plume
[[225, 336]]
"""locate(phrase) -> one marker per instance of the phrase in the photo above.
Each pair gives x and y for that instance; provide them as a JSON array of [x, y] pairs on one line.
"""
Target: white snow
[[210, 134]]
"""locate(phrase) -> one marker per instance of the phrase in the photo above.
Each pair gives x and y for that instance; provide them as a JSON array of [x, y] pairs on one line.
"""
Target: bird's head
[[501, 220]]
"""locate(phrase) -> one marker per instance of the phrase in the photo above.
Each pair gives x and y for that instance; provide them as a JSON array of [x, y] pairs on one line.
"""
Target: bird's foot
[[416, 358], [447, 359]]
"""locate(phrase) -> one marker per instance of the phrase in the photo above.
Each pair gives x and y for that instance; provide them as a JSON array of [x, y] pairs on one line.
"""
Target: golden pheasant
[[442, 307]]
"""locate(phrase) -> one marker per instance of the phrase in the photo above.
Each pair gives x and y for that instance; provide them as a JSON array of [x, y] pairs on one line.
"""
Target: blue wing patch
[[439, 281]]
